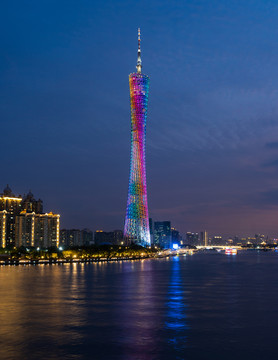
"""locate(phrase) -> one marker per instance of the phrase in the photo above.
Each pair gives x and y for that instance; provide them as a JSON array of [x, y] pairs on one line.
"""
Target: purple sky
[[212, 131]]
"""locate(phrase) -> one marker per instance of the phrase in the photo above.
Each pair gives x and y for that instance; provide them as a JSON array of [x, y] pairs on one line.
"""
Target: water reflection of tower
[[139, 313], [137, 219], [176, 323]]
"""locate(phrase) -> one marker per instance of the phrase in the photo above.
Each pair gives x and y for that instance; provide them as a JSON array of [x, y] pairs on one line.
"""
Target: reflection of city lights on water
[[176, 321]]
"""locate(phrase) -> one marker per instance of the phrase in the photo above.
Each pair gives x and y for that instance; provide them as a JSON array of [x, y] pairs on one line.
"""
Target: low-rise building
[[112, 237]]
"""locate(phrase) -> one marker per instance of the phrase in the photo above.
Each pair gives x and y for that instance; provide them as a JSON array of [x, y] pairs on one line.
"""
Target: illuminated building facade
[[25, 225], [204, 238], [3, 228], [39, 230], [136, 227], [176, 238], [11, 205], [47, 230], [22, 222], [162, 234]]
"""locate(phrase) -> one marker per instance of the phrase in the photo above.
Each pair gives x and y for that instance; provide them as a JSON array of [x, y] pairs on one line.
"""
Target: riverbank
[[54, 261], [67, 261]]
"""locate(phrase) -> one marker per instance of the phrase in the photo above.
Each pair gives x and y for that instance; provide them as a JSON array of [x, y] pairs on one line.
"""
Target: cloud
[[226, 118], [269, 197], [272, 163], [272, 145], [262, 199]]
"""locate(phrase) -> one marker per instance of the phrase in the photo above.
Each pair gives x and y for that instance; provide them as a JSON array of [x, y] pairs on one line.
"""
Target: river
[[205, 306]]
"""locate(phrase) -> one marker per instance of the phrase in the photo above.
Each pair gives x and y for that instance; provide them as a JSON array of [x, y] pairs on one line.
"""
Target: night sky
[[212, 127]]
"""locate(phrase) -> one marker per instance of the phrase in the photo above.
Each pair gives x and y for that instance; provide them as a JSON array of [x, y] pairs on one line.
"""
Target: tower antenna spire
[[139, 61]]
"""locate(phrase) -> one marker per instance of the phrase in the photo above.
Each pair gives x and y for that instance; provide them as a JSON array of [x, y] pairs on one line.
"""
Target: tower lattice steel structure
[[137, 218]]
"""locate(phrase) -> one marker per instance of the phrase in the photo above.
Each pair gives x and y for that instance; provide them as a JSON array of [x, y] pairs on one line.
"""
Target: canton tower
[[137, 218]]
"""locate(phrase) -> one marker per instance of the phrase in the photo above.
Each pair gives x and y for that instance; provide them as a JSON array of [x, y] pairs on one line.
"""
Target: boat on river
[[230, 251]]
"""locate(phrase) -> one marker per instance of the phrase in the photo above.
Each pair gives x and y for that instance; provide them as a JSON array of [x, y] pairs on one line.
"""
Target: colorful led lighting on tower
[[137, 218]]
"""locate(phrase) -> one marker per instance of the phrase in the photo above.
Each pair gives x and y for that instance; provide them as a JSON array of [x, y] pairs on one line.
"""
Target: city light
[[137, 218]]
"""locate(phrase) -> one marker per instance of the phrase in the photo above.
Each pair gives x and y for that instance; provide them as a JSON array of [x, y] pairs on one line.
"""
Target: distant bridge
[[220, 247]]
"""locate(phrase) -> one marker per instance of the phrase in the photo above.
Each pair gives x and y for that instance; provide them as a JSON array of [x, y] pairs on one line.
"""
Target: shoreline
[[75, 261], [53, 261]]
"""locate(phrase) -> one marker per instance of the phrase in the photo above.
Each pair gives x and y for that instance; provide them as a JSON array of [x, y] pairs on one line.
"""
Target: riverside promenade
[[52, 261]]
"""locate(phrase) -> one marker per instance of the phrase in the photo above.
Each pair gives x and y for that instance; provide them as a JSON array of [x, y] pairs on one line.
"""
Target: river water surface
[[205, 306]]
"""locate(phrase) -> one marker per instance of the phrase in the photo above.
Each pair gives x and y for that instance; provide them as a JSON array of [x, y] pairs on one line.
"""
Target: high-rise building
[[70, 237], [3, 219], [25, 229], [151, 230], [204, 238], [11, 204], [76, 237], [47, 230], [118, 237], [30, 204], [217, 240], [162, 234], [176, 238], [136, 227], [192, 238], [87, 236], [40, 230], [22, 222]]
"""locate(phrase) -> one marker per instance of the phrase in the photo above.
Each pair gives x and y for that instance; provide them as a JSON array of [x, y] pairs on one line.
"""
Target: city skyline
[[30, 207], [212, 139]]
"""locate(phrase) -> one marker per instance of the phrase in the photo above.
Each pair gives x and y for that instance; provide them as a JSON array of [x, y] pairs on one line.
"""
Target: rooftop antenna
[[139, 61]]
